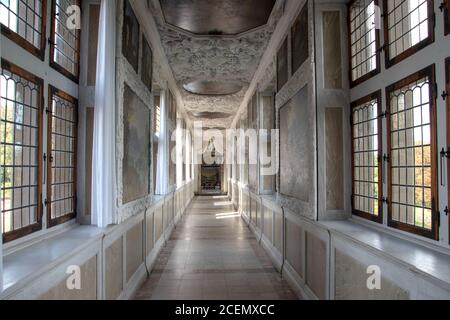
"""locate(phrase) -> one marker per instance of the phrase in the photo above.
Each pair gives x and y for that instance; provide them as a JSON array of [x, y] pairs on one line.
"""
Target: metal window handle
[[386, 159], [444, 155], [442, 6], [45, 168], [444, 95]]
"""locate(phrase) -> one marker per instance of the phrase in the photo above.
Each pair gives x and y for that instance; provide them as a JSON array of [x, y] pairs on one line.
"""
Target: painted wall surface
[[351, 282], [114, 270], [320, 262], [88, 289], [295, 140]]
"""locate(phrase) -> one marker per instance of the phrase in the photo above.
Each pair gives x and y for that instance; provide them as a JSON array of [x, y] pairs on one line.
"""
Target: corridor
[[212, 255]]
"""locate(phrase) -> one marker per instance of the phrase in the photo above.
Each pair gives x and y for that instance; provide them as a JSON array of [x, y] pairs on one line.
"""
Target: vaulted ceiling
[[214, 48]]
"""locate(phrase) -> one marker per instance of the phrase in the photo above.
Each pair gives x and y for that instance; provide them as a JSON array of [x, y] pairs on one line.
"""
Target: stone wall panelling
[[334, 158], [294, 247], [305, 76], [278, 232], [331, 24], [268, 223], [135, 252], [259, 215], [150, 232], [295, 138], [316, 265], [114, 270], [88, 291], [158, 221], [351, 282], [136, 144], [333, 130], [127, 76]]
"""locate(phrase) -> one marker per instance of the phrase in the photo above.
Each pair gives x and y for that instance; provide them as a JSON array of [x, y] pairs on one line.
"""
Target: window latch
[[442, 6], [383, 115], [444, 95], [381, 48], [445, 154], [446, 211], [385, 200]]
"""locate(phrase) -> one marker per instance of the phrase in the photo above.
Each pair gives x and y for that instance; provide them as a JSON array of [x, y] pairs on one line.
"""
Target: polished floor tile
[[212, 255]]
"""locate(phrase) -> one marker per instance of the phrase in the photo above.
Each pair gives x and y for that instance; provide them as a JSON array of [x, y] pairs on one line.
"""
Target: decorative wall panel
[[351, 282], [334, 158], [295, 179], [332, 49], [137, 134]]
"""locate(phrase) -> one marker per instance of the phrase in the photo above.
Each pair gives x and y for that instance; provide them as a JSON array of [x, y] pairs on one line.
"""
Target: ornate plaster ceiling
[[218, 17], [210, 115], [213, 88], [214, 58]]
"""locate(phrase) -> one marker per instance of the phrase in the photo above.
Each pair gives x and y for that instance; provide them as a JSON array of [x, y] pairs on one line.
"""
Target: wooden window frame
[[55, 65], [377, 70], [447, 17], [414, 49], [52, 91], [14, 235], [447, 80], [22, 42], [373, 96], [430, 73]]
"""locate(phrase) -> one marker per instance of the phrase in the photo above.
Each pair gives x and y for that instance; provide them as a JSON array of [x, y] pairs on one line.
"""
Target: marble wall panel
[[135, 250], [114, 270], [351, 282]]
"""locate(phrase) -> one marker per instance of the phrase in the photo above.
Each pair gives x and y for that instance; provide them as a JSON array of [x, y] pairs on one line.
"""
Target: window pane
[[366, 155], [411, 156], [18, 151], [62, 149], [363, 38], [408, 24], [65, 41], [24, 17]]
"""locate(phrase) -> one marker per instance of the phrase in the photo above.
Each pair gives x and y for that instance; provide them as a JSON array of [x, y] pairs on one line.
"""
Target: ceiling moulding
[[215, 58], [222, 18], [213, 88], [144, 12], [211, 115]]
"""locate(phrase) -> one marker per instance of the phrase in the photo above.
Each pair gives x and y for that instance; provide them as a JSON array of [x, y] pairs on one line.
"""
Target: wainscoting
[[330, 260], [113, 262]]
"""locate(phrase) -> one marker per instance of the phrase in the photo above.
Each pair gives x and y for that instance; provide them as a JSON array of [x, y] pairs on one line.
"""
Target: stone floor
[[212, 255]]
